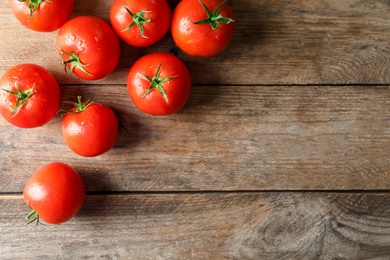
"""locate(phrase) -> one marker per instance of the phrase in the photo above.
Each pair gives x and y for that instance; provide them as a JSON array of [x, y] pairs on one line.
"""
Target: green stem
[[213, 18], [33, 5], [21, 98], [156, 83], [74, 61], [80, 105], [35, 219], [139, 20]]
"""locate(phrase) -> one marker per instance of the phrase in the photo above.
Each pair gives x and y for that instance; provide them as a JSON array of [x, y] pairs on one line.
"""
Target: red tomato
[[159, 84], [55, 193], [29, 96], [90, 129], [42, 15], [88, 47], [140, 23], [202, 28]]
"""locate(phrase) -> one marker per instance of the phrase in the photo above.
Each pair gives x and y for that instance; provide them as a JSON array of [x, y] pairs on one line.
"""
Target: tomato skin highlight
[[158, 11], [200, 40], [94, 42], [49, 16], [177, 89], [43, 103], [92, 131], [55, 192]]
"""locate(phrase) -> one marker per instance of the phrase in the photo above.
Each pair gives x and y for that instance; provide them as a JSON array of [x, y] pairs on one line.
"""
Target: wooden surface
[[283, 151], [207, 226]]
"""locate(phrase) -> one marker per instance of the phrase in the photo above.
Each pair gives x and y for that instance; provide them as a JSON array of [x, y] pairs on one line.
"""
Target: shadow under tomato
[[97, 208], [95, 179], [201, 97], [131, 130]]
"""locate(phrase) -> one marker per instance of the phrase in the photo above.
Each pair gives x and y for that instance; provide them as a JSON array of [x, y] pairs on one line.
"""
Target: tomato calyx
[[36, 218], [21, 98], [79, 105], [139, 20], [156, 83], [33, 5], [74, 61], [213, 18]]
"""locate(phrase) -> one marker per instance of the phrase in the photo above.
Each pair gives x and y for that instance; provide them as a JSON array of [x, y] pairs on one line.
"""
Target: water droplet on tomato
[[80, 45]]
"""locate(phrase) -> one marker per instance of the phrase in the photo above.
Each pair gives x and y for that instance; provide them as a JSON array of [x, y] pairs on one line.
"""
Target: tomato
[[88, 47], [159, 84], [55, 193], [29, 96], [90, 129], [202, 28], [140, 23], [42, 15]]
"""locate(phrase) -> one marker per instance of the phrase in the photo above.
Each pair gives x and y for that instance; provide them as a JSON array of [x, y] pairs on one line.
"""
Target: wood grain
[[297, 105], [276, 42], [226, 138], [206, 226]]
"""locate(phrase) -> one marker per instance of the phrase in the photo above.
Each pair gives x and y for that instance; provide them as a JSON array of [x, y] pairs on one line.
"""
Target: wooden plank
[[276, 42], [226, 138], [206, 226]]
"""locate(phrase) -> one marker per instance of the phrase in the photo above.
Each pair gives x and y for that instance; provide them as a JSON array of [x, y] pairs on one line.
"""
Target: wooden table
[[283, 151]]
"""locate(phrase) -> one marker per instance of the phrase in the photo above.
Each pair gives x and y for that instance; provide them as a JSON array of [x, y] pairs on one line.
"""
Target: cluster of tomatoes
[[158, 83]]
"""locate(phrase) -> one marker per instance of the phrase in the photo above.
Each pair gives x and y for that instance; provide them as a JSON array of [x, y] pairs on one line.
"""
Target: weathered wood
[[206, 226], [275, 111], [226, 138], [276, 42]]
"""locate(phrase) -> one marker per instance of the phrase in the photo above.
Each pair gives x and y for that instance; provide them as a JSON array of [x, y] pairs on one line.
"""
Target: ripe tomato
[[159, 84], [29, 96], [90, 129], [140, 23], [55, 193], [42, 15], [202, 28], [88, 47]]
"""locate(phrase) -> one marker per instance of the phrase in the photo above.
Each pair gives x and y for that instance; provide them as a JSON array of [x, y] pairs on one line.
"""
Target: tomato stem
[[80, 105], [139, 20], [21, 98], [33, 5], [156, 83], [213, 18], [35, 219], [74, 61]]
